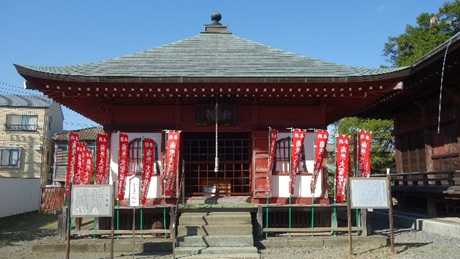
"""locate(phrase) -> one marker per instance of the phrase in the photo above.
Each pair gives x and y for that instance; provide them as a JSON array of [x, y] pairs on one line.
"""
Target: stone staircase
[[215, 235]]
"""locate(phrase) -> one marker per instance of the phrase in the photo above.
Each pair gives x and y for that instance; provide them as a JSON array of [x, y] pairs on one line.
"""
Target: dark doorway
[[198, 151]]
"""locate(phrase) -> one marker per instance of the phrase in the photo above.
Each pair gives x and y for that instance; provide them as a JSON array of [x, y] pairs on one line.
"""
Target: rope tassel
[[216, 158]]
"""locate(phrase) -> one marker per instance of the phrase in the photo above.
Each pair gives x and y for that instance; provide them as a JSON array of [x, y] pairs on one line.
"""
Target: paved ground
[[16, 241]]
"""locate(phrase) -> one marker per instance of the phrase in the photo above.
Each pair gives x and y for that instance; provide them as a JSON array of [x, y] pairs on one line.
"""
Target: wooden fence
[[52, 199]]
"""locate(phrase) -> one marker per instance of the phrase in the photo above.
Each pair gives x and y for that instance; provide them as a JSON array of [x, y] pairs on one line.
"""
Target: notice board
[[92, 200], [369, 193]]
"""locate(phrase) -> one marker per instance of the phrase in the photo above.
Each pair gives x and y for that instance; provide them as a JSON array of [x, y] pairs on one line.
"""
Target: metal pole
[[390, 215], [350, 240]]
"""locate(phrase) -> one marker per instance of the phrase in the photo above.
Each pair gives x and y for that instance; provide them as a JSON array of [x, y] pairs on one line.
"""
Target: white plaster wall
[[19, 196], [280, 186], [154, 187]]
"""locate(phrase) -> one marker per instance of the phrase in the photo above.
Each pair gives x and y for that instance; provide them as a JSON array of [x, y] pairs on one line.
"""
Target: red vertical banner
[[70, 169], [148, 166], [342, 166], [79, 154], [365, 149], [298, 136], [102, 171], [171, 162], [123, 156], [271, 156], [320, 155], [87, 172]]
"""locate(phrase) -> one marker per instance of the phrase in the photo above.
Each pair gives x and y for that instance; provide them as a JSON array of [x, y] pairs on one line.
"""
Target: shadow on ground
[[26, 227]]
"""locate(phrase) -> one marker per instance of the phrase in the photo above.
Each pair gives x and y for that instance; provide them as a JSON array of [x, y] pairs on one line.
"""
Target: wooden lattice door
[[233, 177]]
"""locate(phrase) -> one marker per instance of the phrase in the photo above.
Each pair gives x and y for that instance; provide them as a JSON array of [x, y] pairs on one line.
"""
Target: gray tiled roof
[[212, 55], [24, 101], [87, 134]]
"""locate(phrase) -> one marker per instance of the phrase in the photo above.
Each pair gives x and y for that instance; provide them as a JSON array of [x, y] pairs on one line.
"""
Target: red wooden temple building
[[178, 87]]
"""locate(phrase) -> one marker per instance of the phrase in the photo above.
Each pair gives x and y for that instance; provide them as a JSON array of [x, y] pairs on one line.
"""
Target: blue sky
[[79, 31]]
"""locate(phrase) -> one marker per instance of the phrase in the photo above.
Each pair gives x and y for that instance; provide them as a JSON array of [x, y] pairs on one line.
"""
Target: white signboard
[[92, 201], [134, 189], [369, 193]]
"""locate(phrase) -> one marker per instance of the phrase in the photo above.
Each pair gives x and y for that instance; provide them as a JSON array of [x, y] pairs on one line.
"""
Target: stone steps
[[202, 230], [216, 241], [216, 235], [215, 218]]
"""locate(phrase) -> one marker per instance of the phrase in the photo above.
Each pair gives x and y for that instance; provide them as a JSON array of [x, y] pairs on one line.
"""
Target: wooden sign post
[[371, 193], [91, 200], [350, 239]]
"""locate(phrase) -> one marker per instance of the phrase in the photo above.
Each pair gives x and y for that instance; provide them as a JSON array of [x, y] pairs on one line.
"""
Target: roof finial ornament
[[216, 17], [215, 26]]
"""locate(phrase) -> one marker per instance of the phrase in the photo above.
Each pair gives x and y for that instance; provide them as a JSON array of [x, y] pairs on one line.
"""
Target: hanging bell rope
[[441, 86], [216, 158]]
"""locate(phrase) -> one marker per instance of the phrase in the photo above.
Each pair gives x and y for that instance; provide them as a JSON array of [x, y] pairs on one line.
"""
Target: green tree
[[382, 139], [430, 30]]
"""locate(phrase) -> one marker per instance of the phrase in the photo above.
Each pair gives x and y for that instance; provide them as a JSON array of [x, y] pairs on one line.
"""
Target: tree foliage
[[383, 141], [430, 30]]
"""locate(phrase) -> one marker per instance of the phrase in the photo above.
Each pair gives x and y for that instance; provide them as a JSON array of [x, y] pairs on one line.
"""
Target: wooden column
[[427, 138]]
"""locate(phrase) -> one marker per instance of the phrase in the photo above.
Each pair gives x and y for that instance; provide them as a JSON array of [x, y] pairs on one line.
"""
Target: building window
[[135, 157], [282, 163], [9, 157], [21, 122]]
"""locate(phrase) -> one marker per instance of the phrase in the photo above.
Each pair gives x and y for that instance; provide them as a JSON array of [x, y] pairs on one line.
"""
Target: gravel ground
[[409, 244], [16, 241]]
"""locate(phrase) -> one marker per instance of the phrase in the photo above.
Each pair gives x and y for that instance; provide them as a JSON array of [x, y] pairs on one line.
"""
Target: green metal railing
[[311, 215]]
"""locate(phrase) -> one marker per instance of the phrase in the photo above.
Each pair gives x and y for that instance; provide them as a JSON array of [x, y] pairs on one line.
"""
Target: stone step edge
[[216, 250], [221, 256]]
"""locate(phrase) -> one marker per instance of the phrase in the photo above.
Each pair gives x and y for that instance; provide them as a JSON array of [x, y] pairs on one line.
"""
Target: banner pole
[[312, 223], [266, 214], [164, 221], [141, 220], [357, 174], [117, 209], [69, 222], [390, 215], [112, 221], [134, 229], [290, 214]]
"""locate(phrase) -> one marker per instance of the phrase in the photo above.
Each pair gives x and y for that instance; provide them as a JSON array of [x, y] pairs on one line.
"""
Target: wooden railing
[[52, 199], [436, 179]]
